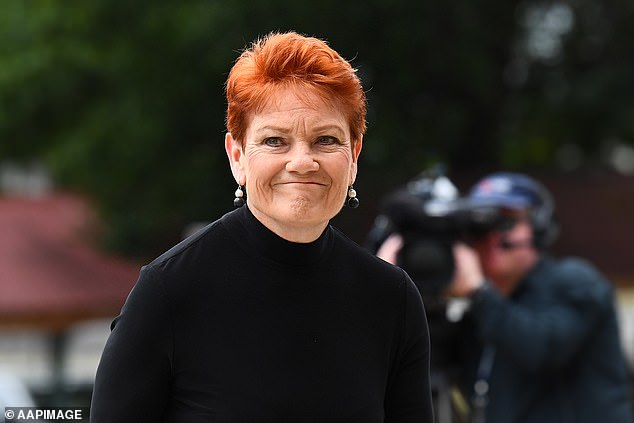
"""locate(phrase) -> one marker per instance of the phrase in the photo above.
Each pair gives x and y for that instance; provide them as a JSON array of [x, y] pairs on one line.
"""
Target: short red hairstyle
[[283, 60]]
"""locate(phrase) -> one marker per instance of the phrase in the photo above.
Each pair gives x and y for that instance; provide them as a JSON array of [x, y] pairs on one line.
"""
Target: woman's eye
[[327, 140], [273, 141]]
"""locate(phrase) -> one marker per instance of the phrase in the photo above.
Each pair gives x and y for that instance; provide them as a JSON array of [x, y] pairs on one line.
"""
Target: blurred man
[[546, 338], [541, 336]]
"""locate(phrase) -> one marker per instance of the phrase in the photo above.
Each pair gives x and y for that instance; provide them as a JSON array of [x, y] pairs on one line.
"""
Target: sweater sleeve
[[408, 398], [133, 377]]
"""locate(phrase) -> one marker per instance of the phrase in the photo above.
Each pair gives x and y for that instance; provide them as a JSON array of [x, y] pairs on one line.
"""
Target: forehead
[[293, 106]]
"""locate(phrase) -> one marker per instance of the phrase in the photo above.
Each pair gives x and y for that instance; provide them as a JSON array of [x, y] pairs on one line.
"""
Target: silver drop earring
[[239, 200], [352, 201]]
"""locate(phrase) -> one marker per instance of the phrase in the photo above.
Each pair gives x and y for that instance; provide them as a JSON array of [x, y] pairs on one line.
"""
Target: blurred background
[[112, 126]]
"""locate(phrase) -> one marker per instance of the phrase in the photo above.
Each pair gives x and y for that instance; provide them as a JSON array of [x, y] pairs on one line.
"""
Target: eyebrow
[[329, 127], [274, 128], [286, 130]]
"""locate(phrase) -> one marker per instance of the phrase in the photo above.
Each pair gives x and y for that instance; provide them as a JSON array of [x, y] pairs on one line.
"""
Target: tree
[[124, 100]]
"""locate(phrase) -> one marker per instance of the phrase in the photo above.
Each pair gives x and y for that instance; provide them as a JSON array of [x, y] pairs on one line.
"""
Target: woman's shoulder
[[186, 245], [210, 241], [383, 281], [366, 263]]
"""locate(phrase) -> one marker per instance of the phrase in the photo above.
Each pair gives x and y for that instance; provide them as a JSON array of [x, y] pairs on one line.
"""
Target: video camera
[[431, 217]]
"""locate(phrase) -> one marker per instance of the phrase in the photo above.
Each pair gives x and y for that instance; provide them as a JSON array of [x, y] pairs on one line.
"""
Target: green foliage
[[125, 102]]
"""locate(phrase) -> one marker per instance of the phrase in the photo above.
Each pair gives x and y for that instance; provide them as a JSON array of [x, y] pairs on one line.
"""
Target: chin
[[308, 212]]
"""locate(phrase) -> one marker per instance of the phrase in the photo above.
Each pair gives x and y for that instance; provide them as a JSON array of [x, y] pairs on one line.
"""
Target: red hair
[[283, 60]]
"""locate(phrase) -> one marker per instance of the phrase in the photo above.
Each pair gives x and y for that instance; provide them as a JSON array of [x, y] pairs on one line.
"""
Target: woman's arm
[[133, 377], [408, 398]]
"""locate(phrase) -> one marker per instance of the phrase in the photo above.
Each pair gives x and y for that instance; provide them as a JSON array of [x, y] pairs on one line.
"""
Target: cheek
[[488, 251], [340, 183], [342, 170], [259, 170]]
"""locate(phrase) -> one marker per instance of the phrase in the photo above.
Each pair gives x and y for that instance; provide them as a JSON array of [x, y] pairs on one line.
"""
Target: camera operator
[[540, 341], [546, 343]]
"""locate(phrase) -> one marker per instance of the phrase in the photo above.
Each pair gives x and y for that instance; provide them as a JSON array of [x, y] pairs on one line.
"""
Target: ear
[[356, 150], [235, 155]]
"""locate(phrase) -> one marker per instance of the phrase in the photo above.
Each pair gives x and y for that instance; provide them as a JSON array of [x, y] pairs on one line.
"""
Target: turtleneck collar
[[252, 235]]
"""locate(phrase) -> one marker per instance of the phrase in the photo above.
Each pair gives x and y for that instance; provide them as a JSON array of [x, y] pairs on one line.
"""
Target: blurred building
[[58, 290]]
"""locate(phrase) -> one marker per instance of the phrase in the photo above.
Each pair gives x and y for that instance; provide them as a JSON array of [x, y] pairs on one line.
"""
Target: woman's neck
[[295, 232]]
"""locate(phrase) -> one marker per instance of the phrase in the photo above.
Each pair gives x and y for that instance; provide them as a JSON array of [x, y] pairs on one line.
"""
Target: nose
[[301, 160]]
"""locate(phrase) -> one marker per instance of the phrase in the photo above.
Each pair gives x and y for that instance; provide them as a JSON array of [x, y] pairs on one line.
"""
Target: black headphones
[[541, 215]]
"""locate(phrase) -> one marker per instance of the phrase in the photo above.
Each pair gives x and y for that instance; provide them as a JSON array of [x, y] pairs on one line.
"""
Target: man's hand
[[390, 248], [468, 274]]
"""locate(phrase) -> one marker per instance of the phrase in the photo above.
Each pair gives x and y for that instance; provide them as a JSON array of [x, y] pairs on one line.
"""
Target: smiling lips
[[302, 183]]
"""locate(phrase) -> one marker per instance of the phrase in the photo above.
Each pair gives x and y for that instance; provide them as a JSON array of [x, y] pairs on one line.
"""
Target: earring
[[352, 201], [239, 200]]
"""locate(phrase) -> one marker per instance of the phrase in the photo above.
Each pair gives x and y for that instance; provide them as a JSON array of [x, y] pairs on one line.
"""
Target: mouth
[[303, 183]]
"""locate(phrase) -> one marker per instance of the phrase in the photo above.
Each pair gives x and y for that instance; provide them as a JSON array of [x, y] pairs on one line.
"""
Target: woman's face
[[296, 162]]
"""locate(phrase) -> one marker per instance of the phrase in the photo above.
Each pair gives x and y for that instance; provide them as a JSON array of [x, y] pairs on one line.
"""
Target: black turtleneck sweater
[[236, 324]]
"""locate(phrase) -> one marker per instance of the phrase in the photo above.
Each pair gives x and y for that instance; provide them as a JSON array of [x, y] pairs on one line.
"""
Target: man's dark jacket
[[558, 356]]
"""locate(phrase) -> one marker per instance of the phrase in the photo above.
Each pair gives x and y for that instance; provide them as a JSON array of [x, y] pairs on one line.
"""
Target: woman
[[269, 314]]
